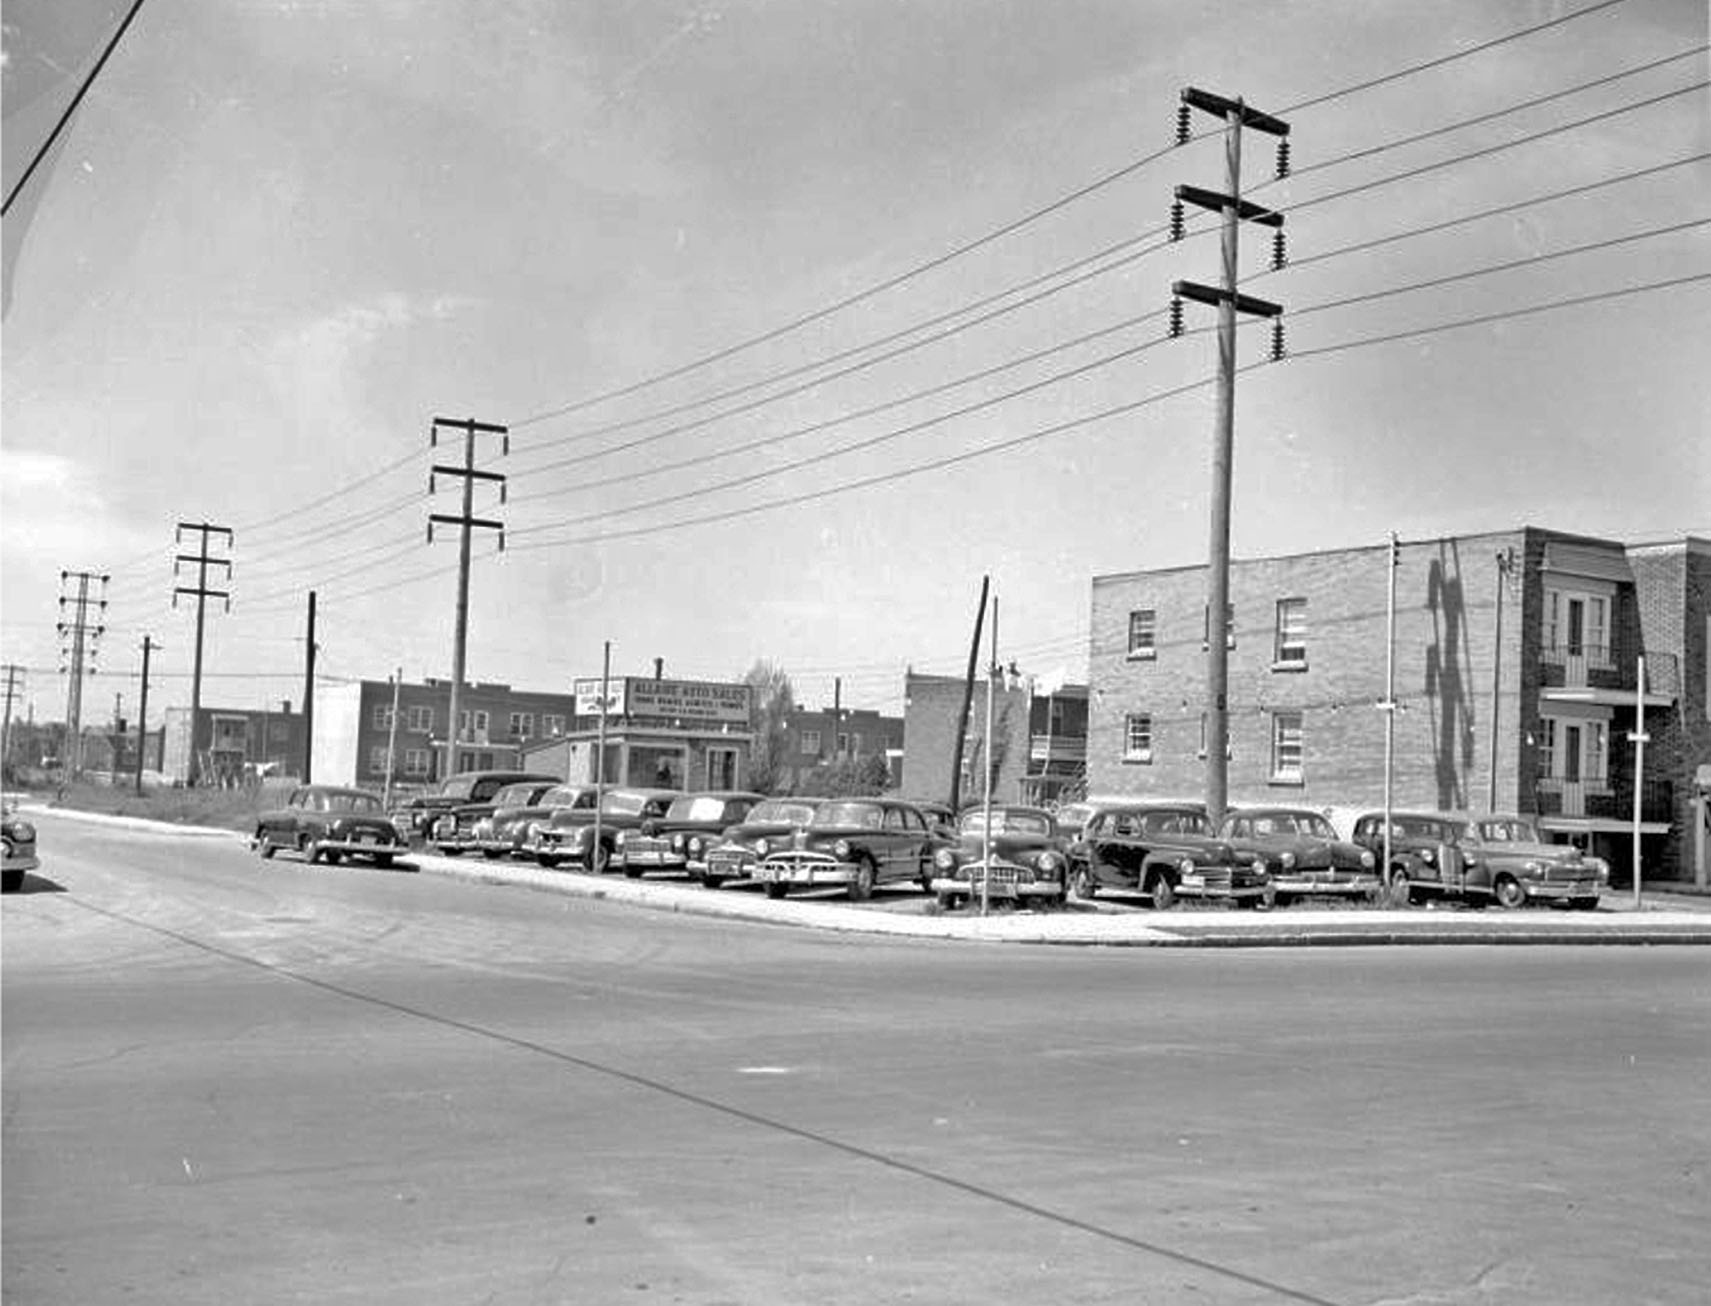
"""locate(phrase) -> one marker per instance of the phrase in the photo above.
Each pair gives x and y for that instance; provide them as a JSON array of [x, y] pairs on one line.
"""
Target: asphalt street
[[235, 1080]]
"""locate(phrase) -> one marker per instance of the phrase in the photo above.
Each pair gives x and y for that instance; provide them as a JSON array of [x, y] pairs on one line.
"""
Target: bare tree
[[771, 702]]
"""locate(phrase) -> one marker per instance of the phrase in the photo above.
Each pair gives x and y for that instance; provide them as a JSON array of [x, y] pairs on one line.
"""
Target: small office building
[[666, 734]]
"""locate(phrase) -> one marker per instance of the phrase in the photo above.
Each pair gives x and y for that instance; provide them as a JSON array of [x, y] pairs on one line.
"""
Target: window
[[552, 724], [1138, 737], [480, 721], [1143, 623], [1286, 747], [415, 761], [843, 745], [377, 761], [1577, 625], [811, 743], [522, 725], [1229, 626], [1548, 746], [1291, 649], [382, 716], [421, 719]]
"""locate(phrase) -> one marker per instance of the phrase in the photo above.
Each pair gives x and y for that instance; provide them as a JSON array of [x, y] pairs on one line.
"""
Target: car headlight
[[762, 847], [677, 842], [23, 832], [1186, 866], [1366, 859], [622, 835], [1049, 862], [1287, 860], [695, 846], [1428, 856], [945, 859], [841, 850], [1532, 868]]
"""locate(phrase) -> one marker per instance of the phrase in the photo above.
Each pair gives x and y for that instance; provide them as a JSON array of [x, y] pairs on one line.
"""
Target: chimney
[[659, 668]]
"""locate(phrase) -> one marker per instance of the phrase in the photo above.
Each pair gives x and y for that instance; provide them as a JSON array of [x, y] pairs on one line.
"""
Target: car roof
[[336, 789], [719, 793]]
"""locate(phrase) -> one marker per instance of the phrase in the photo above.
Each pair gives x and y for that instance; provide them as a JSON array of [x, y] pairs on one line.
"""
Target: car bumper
[[1562, 890], [18, 863], [1212, 884], [360, 847], [1351, 886], [803, 872], [999, 888], [650, 859]]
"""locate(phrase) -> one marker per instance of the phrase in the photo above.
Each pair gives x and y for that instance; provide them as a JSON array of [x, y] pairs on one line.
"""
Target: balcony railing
[[1057, 748], [1570, 664], [1614, 802]]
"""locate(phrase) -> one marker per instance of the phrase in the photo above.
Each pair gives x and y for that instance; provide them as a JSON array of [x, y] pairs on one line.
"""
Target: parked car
[[330, 822], [500, 832], [742, 848], [1303, 853], [679, 840], [569, 835], [1167, 851], [941, 818], [415, 820], [20, 851], [1500, 859], [1029, 863], [859, 843], [455, 831]]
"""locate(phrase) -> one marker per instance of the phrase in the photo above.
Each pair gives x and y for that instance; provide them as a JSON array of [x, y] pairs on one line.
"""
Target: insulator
[[1279, 253], [1175, 315], [1282, 158], [1277, 350], [1182, 124], [1177, 224]]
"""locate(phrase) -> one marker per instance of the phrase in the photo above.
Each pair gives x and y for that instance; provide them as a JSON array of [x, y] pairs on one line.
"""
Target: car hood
[[1534, 852], [1007, 843]]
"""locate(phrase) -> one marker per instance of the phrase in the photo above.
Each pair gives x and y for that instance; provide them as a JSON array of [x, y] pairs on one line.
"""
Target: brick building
[[1515, 683], [1039, 739], [814, 738], [231, 744]]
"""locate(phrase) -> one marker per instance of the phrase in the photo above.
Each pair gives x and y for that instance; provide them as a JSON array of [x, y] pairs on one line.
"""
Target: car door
[[895, 848]]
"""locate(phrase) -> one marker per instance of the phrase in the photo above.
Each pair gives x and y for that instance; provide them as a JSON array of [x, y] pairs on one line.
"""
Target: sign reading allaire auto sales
[[677, 700]]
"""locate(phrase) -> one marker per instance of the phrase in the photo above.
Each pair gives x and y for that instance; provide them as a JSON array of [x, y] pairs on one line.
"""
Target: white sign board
[[588, 696]]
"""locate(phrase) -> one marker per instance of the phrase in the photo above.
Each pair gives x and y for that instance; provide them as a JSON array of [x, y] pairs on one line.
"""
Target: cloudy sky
[[806, 316]]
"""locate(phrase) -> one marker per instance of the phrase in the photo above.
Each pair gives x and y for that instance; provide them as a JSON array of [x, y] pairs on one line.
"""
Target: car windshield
[[459, 786], [346, 803], [516, 795], [859, 816], [778, 812], [696, 807], [1174, 823], [622, 804], [1074, 816], [1508, 832], [1414, 828], [568, 796], [1006, 821]]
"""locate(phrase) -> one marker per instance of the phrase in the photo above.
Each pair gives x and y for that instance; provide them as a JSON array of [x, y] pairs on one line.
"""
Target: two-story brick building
[[1039, 739], [230, 744], [816, 737], [1515, 660]]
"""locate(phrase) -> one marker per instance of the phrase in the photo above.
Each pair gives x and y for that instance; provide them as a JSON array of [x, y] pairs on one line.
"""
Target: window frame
[[1289, 646], [1280, 772], [1143, 622], [1138, 737]]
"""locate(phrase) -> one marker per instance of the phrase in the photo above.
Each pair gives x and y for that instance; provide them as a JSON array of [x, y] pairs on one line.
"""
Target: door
[[1573, 791]]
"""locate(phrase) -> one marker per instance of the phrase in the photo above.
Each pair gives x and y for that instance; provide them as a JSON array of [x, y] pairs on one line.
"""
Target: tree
[[771, 701], [848, 777]]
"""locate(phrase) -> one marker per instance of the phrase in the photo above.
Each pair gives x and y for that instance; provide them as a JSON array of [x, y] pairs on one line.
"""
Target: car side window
[[893, 818]]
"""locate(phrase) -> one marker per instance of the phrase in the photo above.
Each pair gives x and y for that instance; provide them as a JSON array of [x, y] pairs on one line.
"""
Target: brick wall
[[932, 706]]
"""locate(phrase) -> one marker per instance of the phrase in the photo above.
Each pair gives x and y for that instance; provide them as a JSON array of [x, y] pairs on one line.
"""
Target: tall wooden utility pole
[[1505, 565], [465, 523], [967, 696], [309, 696], [1229, 302], [85, 637], [14, 686], [143, 713], [203, 561]]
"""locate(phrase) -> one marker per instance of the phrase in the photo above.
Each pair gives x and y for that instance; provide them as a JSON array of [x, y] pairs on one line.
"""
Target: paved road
[[226, 1080]]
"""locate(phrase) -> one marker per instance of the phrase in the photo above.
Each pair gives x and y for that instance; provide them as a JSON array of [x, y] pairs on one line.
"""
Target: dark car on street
[[20, 848], [330, 822], [1303, 853], [1480, 859], [858, 843], [1166, 851], [678, 842], [459, 830], [570, 835], [770, 824], [500, 832], [1029, 859]]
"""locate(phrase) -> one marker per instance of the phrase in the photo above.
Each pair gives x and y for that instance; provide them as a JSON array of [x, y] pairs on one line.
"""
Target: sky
[[806, 317]]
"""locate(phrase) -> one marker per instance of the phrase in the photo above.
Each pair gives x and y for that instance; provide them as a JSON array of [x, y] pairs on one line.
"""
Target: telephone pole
[[203, 560], [465, 522], [84, 638], [14, 687], [309, 697], [143, 713], [1228, 302]]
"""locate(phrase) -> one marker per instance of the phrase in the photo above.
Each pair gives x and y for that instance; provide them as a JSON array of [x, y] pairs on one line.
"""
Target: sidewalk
[[1662, 918]]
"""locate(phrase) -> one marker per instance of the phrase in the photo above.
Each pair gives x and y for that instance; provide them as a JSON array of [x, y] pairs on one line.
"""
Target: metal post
[[392, 740], [986, 765], [1389, 704], [1639, 739], [600, 750]]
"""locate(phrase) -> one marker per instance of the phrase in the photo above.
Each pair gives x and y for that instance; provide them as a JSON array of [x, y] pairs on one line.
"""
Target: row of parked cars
[[1163, 851]]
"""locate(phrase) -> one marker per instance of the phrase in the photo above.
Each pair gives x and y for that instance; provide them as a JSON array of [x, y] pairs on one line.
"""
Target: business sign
[[688, 700], [588, 696]]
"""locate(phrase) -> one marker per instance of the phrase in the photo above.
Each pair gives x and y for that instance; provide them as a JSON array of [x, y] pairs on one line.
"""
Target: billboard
[[698, 701], [588, 696]]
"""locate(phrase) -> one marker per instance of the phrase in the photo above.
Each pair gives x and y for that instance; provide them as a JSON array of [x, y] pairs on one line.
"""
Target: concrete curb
[[1090, 927]]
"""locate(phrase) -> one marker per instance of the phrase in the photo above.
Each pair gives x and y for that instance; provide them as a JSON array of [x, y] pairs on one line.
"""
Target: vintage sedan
[[329, 822], [1029, 862], [1166, 851], [461, 829], [859, 843], [1302, 851], [500, 833], [20, 848], [770, 824], [679, 841], [570, 835], [417, 818], [1481, 859]]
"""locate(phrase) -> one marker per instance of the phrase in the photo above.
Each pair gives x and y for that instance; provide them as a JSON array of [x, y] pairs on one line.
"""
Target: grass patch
[[226, 809]]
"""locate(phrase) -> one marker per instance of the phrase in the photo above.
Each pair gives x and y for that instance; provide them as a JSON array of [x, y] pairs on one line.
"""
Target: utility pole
[[837, 716], [986, 767], [967, 696], [14, 687], [203, 560], [1639, 739], [1389, 704], [309, 695], [85, 639], [1505, 564], [1228, 302], [600, 754], [391, 740], [465, 523], [143, 713]]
